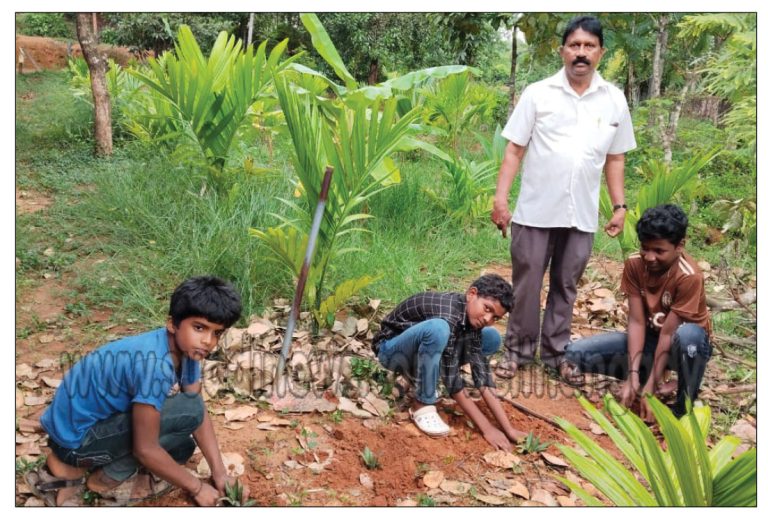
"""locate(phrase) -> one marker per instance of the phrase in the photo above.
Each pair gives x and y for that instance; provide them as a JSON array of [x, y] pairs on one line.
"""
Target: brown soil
[[46, 53]]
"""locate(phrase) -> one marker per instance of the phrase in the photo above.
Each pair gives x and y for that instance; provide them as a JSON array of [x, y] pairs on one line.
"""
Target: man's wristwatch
[[619, 206]]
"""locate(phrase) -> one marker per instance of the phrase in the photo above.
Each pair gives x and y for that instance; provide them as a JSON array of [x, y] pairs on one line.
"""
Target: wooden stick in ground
[[303, 275], [522, 408]]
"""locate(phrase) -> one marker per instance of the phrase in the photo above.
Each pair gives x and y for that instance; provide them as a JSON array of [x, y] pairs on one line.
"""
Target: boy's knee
[[437, 331], [491, 341], [184, 412], [692, 341]]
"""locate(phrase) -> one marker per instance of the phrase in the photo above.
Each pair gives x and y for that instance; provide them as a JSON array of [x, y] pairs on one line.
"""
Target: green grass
[[140, 222]]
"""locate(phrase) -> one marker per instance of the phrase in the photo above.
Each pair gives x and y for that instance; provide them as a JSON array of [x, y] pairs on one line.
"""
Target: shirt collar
[[560, 80]]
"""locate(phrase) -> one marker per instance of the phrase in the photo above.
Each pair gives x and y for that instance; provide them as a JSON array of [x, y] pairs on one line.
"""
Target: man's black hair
[[209, 297], [494, 286], [589, 24], [665, 222]]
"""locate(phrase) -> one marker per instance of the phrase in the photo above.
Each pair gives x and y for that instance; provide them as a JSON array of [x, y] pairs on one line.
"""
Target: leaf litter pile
[[310, 438]]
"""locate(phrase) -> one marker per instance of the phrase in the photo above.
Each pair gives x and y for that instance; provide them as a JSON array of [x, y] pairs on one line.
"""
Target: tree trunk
[[654, 90], [632, 91], [669, 132], [373, 72], [659, 54], [250, 30], [513, 72], [97, 65]]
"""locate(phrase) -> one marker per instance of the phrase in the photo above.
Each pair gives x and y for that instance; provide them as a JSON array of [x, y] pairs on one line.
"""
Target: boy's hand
[[223, 481], [629, 390], [645, 410], [497, 439], [208, 496], [515, 436]]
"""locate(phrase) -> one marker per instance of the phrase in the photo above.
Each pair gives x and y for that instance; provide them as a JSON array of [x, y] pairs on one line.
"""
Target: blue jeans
[[416, 354], [109, 443], [607, 354]]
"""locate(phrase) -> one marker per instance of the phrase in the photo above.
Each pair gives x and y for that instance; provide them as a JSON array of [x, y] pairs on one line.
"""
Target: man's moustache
[[581, 61]]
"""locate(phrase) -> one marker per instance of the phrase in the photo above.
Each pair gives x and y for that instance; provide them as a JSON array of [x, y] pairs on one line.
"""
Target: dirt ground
[[275, 460], [41, 53]]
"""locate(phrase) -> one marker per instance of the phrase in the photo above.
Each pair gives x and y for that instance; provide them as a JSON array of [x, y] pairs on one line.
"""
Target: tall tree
[[88, 35]]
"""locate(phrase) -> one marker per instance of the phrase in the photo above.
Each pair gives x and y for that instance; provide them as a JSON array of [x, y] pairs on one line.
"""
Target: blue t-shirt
[[137, 369]]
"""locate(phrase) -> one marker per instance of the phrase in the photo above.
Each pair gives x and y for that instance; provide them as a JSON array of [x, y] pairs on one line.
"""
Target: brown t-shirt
[[680, 289]]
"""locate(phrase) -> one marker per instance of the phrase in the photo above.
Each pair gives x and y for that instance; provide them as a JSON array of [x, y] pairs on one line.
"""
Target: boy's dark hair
[[665, 222], [494, 286], [209, 297], [589, 24]]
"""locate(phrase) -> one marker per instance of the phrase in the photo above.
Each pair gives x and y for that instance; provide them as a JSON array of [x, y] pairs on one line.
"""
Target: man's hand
[[497, 439], [616, 224], [629, 390], [501, 216], [208, 496]]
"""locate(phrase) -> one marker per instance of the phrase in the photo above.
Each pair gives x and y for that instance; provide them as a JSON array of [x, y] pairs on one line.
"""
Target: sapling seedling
[[370, 459], [532, 444], [234, 496]]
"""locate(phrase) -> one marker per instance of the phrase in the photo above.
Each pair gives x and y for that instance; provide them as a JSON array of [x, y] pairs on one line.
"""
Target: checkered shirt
[[464, 343]]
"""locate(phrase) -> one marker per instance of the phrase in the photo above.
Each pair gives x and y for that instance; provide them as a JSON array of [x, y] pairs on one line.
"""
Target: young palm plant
[[212, 95], [666, 184], [685, 474]]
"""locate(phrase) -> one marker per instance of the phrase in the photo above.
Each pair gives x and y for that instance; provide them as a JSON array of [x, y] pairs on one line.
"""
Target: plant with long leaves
[[212, 95], [358, 144], [686, 473], [667, 183]]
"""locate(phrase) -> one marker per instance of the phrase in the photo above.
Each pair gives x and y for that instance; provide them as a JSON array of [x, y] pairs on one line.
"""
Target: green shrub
[[52, 25]]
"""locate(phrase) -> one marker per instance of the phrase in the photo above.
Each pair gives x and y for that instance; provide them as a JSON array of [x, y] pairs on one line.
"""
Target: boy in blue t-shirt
[[136, 401]]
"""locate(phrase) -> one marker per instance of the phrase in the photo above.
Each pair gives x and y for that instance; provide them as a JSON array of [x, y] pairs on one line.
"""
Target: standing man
[[572, 125]]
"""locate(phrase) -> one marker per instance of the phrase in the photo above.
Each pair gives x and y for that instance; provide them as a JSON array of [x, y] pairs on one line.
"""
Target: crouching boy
[[431, 335], [668, 319], [136, 402]]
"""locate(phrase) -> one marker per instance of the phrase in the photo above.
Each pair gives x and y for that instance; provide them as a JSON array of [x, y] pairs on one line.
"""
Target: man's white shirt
[[567, 138]]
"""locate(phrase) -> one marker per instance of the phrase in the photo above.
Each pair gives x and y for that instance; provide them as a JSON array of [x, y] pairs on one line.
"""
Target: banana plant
[[212, 96], [687, 473], [666, 184]]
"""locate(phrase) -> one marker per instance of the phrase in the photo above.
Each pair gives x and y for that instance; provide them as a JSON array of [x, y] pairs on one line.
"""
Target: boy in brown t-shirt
[[668, 319]]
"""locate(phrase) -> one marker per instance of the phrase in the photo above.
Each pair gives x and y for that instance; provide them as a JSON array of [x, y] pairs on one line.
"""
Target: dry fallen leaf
[[241, 413], [28, 426], [25, 371], [406, 503], [543, 497], [234, 425], [30, 385], [565, 501], [46, 338], [233, 464], [489, 500], [51, 382], [745, 431], [33, 401], [553, 460], [594, 428], [259, 328], [501, 458], [433, 478], [47, 363], [455, 487], [520, 490], [31, 448]]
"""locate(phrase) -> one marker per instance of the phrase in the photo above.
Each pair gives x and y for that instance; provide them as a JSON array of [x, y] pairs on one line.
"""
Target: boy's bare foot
[[99, 482], [667, 389], [64, 471], [139, 487]]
